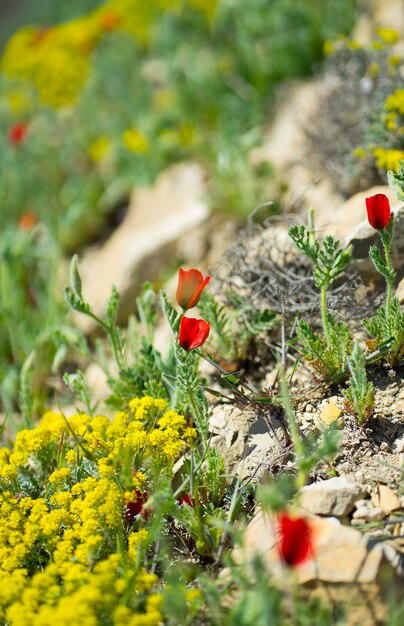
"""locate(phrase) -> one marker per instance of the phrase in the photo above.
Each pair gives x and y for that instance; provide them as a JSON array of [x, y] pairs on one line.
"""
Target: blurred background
[[100, 100]]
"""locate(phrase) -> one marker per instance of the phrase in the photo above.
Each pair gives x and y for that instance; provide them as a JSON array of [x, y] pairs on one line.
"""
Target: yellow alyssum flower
[[9, 472], [71, 457], [60, 476]]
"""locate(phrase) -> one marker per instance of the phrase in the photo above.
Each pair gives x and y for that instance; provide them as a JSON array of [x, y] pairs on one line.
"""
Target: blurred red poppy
[[193, 333], [132, 509], [27, 221], [190, 286], [379, 213], [17, 133], [295, 540], [185, 499]]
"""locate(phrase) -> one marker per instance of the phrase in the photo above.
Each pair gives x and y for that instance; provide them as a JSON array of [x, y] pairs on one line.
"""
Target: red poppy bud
[[378, 208], [295, 540], [17, 133], [185, 499], [193, 333], [190, 286], [132, 509]]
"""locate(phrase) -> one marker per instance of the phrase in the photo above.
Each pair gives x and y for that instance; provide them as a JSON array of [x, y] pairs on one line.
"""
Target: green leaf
[[112, 306], [75, 302], [75, 280]]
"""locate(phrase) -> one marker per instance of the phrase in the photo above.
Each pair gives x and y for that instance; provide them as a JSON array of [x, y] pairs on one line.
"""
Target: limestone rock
[[398, 445], [284, 146], [158, 219], [335, 496], [385, 498], [246, 443], [366, 512]]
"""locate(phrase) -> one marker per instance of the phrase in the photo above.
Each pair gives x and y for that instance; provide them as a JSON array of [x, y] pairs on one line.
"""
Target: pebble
[[398, 445], [366, 512]]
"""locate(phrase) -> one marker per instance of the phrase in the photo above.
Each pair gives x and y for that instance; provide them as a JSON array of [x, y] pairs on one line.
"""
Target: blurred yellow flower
[[135, 141], [388, 159], [98, 148], [388, 35]]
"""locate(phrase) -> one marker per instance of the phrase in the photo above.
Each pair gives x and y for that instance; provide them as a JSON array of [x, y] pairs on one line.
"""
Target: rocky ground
[[356, 500]]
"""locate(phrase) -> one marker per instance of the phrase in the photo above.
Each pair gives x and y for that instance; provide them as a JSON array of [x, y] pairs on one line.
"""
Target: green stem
[[391, 276], [114, 343], [294, 429], [198, 417], [312, 232], [324, 314]]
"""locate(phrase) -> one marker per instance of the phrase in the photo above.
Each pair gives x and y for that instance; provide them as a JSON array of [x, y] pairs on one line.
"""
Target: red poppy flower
[[185, 499], [193, 333], [190, 286], [132, 509], [27, 221], [295, 540], [378, 208], [17, 133]]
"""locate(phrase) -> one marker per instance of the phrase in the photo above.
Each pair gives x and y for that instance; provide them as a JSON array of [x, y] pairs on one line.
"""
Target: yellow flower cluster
[[67, 553], [87, 597], [394, 106], [388, 158], [56, 60]]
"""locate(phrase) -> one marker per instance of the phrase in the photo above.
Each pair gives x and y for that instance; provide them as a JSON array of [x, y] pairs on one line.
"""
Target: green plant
[[327, 353], [141, 368], [360, 393]]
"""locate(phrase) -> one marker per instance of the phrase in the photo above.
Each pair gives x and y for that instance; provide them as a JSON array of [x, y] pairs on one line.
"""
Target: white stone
[[367, 513], [335, 496]]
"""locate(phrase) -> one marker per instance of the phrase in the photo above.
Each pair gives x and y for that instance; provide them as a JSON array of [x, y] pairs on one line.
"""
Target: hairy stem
[[294, 429], [324, 314], [198, 418], [391, 276]]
